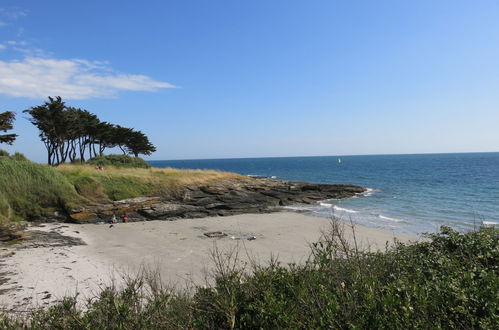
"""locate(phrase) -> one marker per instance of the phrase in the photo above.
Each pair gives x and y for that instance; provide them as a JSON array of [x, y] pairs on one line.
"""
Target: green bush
[[451, 281], [119, 161], [19, 156]]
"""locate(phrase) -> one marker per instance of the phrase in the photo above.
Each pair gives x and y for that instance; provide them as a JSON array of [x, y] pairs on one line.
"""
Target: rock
[[166, 210], [220, 199], [195, 215]]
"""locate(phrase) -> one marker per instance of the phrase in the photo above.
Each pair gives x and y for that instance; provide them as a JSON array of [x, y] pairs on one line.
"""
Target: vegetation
[[118, 161], [6, 119], [69, 133], [451, 281], [115, 183], [29, 190]]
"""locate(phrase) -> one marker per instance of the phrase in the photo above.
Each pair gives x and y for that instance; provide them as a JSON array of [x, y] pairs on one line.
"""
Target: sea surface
[[407, 193]]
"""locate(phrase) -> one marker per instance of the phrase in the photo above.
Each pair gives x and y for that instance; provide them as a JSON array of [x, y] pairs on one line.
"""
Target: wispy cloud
[[21, 43], [12, 12], [37, 77], [24, 47], [8, 15]]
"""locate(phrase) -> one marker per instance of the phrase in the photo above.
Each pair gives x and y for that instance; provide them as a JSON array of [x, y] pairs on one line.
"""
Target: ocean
[[407, 194]]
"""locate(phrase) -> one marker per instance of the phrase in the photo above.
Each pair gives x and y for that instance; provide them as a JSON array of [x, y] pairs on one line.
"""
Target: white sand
[[177, 249]]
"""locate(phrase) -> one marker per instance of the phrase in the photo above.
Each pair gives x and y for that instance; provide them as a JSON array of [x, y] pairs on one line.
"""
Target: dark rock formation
[[221, 199]]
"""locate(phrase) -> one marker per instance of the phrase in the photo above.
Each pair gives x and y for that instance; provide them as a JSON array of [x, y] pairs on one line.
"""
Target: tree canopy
[[6, 120], [69, 133]]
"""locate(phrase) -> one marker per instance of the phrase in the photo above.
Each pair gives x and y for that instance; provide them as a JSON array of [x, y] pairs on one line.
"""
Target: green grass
[[448, 282], [29, 190], [115, 183]]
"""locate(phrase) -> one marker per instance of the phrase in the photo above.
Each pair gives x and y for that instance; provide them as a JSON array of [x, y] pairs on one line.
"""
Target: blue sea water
[[407, 193]]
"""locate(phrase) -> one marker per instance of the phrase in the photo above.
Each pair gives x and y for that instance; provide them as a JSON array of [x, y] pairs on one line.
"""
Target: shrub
[[119, 161], [19, 156]]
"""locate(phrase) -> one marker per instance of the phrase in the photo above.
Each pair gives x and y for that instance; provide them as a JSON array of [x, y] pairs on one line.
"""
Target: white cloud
[[17, 43], [37, 77], [2, 47]]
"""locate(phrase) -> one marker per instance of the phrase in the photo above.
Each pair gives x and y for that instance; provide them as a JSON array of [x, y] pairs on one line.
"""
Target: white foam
[[325, 204], [390, 219], [489, 223], [369, 192], [299, 207], [337, 208]]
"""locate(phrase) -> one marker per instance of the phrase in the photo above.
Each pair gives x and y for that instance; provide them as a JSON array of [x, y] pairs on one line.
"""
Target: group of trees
[[70, 133]]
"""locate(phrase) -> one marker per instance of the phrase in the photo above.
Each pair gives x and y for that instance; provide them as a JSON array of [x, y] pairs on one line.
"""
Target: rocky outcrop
[[221, 199]]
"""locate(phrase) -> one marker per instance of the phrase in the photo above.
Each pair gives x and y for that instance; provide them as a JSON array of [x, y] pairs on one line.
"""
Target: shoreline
[[40, 274]]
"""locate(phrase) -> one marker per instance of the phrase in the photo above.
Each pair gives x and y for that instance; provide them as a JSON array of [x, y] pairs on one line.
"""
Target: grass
[[117, 183], [29, 190], [448, 282]]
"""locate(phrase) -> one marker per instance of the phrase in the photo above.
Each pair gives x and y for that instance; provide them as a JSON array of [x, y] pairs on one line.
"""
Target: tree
[[6, 119], [137, 143], [50, 121], [87, 129], [120, 136]]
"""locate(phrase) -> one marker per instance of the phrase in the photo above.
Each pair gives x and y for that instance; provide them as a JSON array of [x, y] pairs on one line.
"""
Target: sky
[[261, 78]]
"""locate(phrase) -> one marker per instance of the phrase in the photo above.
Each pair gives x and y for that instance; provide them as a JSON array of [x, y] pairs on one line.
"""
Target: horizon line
[[353, 155]]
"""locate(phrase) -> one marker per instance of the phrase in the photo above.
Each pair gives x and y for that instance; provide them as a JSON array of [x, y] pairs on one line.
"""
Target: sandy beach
[[179, 250]]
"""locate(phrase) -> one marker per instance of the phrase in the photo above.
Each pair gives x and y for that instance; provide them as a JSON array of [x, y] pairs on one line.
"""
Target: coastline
[[178, 250]]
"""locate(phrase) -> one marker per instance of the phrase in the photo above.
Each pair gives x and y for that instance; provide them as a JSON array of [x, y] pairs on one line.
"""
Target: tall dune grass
[[29, 190], [117, 183]]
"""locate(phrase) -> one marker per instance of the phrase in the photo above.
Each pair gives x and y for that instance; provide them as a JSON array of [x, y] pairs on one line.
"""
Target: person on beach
[[125, 217], [113, 219]]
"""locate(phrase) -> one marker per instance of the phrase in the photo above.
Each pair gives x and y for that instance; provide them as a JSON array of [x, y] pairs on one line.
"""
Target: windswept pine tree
[[6, 120], [69, 133], [50, 121], [138, 143]]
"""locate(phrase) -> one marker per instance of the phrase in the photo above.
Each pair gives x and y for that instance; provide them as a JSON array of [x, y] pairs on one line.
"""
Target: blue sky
[[222, 79]]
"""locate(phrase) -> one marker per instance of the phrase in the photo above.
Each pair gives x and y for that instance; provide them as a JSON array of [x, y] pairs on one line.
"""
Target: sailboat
[[339, 160]]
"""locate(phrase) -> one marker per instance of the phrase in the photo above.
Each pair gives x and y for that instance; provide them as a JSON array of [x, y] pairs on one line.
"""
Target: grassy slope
[[119, 183], [29, 190]]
